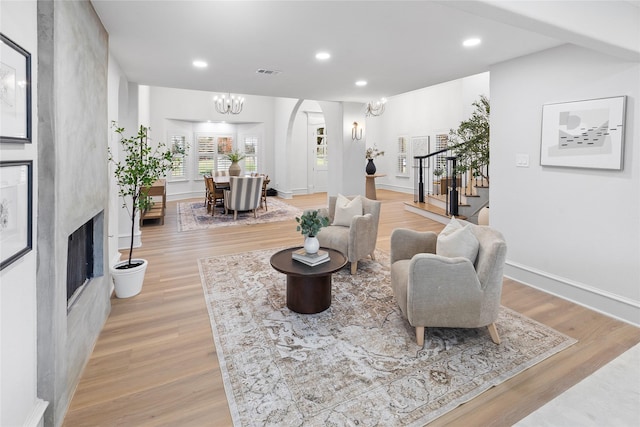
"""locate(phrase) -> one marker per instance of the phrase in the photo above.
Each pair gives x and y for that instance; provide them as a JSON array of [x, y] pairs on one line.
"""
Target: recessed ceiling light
[[323, 56], [200, 64], [471, 42], [361, 83]]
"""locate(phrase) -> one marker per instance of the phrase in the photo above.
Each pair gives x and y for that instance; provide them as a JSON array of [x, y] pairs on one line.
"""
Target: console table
[[158, 191], [371, 185]]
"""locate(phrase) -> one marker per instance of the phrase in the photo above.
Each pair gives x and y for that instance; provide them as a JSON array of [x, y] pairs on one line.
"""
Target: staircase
[[441, 191], [435, 207]]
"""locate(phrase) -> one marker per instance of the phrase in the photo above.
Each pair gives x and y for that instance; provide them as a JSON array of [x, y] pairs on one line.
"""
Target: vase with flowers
[[309, 224], [370, 154]]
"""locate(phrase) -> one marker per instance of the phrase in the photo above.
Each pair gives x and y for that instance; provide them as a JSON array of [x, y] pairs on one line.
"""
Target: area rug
[[194, 215], [357, 363]]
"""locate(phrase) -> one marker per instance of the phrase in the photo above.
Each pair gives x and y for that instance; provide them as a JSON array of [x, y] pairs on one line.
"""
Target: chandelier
[[376, 108], [228, 104]]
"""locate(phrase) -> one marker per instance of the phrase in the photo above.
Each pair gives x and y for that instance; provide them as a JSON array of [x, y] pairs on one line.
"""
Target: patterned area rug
[[194, 215], [356, 363]]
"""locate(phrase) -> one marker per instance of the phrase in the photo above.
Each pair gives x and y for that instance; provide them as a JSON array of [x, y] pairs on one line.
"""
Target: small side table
[[371, 185], [308, 288]]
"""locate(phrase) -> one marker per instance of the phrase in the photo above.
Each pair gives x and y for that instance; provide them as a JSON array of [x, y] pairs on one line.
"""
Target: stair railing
[[437, 174]]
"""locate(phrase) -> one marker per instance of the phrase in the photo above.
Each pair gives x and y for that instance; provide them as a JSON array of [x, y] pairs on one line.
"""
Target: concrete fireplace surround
[[73, 188]]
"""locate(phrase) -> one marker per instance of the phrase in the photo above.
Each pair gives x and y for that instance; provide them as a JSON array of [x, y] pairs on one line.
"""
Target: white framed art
[[16, 214], [584, 134]]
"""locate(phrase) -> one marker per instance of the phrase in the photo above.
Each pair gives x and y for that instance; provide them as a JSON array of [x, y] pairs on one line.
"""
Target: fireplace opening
[[84, 251]]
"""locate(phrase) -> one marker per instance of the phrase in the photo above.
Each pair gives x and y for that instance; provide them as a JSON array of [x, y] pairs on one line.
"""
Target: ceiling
[[395, 46]]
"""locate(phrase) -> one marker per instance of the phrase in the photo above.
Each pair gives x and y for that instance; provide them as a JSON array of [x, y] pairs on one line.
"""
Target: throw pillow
[[346, 209], [457, 240]]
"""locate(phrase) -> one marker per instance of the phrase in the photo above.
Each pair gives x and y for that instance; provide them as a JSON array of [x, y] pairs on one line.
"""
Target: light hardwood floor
[[155, 362]]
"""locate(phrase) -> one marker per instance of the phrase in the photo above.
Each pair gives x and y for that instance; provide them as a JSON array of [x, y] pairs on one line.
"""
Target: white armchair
[[451, 292], [357, 239]]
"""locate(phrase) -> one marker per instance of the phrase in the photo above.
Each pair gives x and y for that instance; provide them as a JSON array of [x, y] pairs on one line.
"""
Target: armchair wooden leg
[[235, 215], [420, 335], [354, 267], [373, 256], [494, 333], [255, 213]]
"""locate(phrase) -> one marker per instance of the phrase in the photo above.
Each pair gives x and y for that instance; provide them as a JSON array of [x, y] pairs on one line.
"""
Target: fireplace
[[83, 249]]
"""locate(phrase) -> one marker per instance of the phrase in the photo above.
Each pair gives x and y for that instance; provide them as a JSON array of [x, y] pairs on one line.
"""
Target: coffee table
[[308, 288]]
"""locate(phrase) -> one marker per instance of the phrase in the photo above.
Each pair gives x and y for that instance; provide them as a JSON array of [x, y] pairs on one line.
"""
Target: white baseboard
[[607, 303], [186, 195], [396, 188], [124, 240], [36, 417]]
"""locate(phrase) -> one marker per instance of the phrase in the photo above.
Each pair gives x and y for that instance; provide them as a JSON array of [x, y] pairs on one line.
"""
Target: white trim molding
[[607, 303], [36, 417]]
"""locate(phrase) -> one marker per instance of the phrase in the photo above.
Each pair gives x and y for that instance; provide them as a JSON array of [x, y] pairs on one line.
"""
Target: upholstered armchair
[[448, 291], [243, 195], [352, 233]]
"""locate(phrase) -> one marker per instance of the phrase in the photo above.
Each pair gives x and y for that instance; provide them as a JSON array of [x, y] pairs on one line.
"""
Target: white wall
[[19, 404], [571, 232], [424, 112], [118, 95]]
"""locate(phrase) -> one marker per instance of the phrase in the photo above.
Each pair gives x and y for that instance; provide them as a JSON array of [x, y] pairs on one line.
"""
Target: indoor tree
[[141, 166], [470, 141]]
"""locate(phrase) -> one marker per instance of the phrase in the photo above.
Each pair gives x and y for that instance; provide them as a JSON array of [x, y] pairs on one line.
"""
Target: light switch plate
[[522, 160]]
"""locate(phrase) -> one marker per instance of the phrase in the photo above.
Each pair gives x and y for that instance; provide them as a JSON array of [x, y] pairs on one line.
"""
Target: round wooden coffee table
[[308, 288]]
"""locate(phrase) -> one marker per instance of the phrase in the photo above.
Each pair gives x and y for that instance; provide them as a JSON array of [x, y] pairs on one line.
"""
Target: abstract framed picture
[[16, 216], [584, 134], [15, 92]]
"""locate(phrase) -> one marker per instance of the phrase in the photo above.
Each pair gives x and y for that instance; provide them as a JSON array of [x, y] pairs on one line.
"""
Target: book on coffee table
[[310, 259]]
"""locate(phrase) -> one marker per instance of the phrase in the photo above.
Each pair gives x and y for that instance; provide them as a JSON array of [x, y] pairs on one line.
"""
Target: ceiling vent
[[265, 72]]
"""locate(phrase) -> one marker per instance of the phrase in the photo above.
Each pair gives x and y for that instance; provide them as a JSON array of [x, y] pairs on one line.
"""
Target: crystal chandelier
[[229, 104], [376, 108]]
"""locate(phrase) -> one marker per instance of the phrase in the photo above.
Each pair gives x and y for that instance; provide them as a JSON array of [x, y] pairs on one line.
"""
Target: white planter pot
[[483, 216], [311, 245], [128, 281]]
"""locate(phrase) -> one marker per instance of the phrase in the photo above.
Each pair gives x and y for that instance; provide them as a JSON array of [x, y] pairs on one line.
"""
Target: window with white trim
[[212, 153], [442, 141], [178, 144], [224, 145], [401, 158], [251, 154], [206, 152]]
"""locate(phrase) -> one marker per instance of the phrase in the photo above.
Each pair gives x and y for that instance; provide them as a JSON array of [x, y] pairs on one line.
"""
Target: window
[[178, 143], [321, 148], [251, 154], [442, 141], [225, 146], [212, 153], [401, 160], [206, 154]]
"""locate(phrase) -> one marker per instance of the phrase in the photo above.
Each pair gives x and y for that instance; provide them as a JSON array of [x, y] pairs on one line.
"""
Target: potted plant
[[139, 168], [235, 157], [309, 224], [370, 154]]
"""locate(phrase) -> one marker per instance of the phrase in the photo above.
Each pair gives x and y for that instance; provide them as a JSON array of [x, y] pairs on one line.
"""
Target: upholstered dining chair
[[243, 195], [265, 182], [458, 288], [353, 228]]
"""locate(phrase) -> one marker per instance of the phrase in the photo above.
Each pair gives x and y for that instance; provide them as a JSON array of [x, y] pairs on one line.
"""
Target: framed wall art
[[584, 134], [16, 216], [15, 92]]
